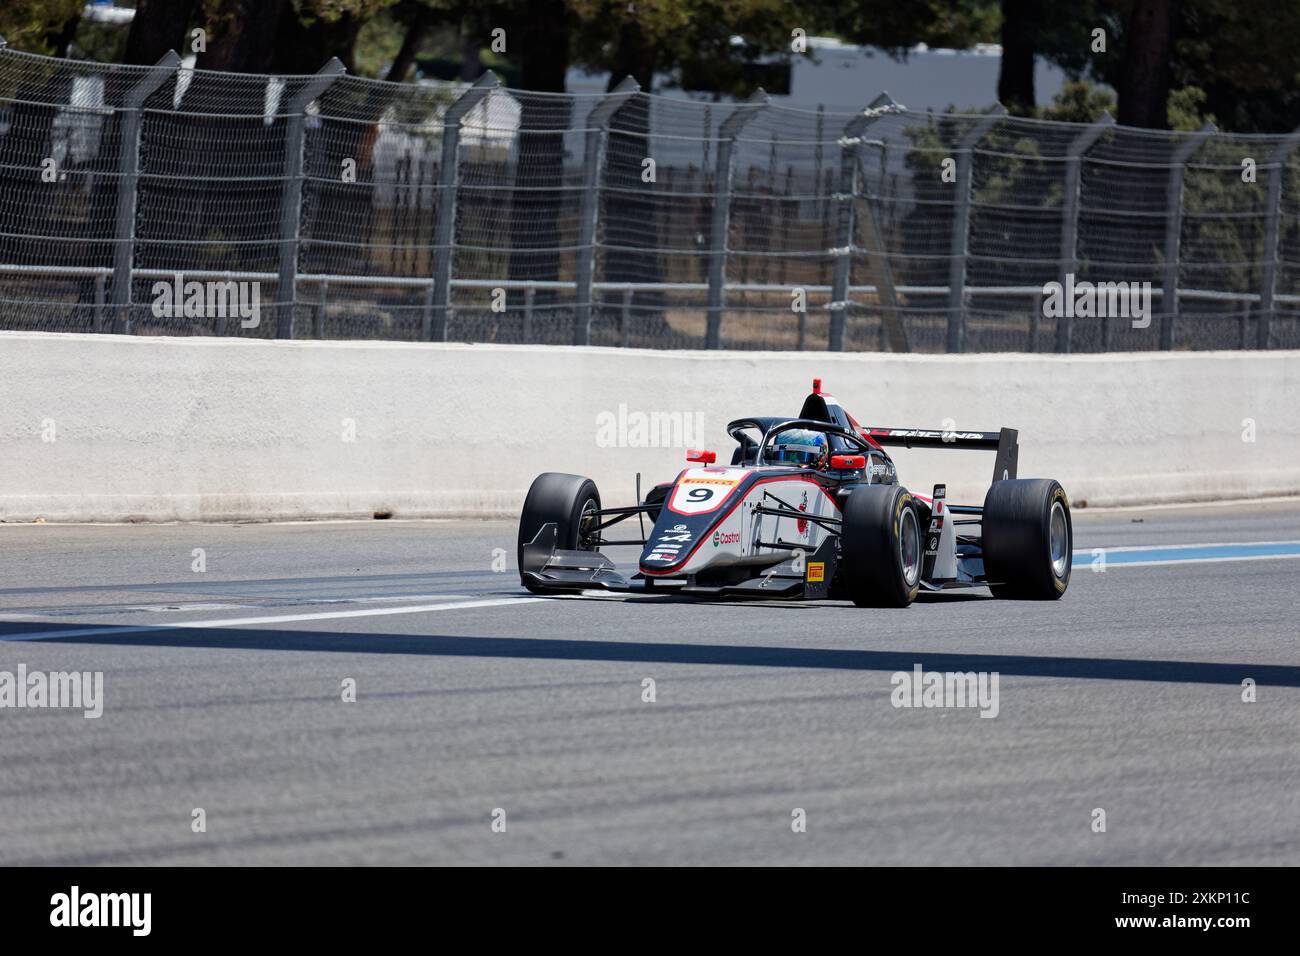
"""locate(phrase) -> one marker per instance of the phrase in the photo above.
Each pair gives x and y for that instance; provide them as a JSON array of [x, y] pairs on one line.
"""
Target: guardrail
[[318, 304]]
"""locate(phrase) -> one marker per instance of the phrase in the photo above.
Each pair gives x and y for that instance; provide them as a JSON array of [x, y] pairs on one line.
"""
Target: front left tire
[[881, 547], [568, 501]]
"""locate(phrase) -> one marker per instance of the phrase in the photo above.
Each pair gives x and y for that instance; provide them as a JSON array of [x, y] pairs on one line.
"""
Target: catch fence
[[331, 206]]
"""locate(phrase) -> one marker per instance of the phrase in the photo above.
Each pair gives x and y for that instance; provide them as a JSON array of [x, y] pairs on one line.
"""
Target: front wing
[[801, 577]]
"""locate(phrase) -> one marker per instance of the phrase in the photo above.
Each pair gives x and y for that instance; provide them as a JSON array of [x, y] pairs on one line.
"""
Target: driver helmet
[[801, 447]]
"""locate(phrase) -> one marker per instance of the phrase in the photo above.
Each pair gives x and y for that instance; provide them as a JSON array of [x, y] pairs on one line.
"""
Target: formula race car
[[810, 507]]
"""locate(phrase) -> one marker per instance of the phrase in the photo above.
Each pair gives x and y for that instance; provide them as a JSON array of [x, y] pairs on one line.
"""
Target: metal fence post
[[530, 297], [893, 333], [849, 187], [128, 169], [99, 303], [625, 320], [1070, 216], [434, 325], [323, 289], [817, 149], [1174, 231], [589, 213], [291, 194], [727, 134], [961, 227], [1268, 284]]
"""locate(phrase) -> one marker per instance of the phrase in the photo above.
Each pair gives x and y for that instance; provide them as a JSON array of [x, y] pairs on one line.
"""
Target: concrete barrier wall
[[107, 428]]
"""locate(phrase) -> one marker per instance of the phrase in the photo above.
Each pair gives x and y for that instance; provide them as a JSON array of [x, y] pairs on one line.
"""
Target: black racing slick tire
[[881, 547], [1027, 538], [567, 500]]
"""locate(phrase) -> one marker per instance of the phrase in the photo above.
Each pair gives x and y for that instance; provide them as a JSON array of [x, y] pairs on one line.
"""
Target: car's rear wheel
[[568, 501], [1028, 539], [881, 547]]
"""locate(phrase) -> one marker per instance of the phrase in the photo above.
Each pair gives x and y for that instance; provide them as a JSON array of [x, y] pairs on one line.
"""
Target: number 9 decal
[[695, 497]]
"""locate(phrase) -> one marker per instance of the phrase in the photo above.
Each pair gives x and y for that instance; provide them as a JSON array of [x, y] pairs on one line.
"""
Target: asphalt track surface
[[1124, 696]]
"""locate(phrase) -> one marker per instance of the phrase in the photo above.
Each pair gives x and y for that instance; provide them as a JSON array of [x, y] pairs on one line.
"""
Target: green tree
[[1245, 61], [39, 26], [281, 36], [694, 39], [1079, 101]]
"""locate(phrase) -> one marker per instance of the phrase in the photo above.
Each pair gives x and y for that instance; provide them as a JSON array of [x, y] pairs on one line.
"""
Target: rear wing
[[823, 408], [1005, 442]]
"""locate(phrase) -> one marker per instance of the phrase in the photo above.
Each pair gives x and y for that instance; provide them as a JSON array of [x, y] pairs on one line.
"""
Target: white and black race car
[[810, 507]]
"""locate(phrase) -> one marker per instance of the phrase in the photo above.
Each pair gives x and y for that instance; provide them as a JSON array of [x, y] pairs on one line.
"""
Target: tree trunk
[[60, 39], [158, 26], [634, 56], [415, 33], [305, 48], [540, 41], [1016, 74], [1144, 71], [242, 34], [240, 39], [632, 217], [471, 65]]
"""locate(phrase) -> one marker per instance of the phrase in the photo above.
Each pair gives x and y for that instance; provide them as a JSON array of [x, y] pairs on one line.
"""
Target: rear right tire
[[1027, 539]]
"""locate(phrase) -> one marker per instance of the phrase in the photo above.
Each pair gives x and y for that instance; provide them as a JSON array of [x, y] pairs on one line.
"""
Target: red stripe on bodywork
[[862, 431]]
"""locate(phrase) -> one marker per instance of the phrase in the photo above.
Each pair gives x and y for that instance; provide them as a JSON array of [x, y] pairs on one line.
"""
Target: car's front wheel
[[570, 502], [881, 547]]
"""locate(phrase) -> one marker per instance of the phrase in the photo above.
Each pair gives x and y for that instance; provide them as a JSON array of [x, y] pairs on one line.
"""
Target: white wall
[[195, 428]]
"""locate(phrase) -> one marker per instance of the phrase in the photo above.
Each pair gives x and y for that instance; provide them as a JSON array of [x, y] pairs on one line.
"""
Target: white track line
[[1188, 547], [270, 619], [226, 606]]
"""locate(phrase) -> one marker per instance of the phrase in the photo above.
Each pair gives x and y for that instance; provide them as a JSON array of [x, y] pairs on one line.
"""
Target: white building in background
[[844, 77]]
